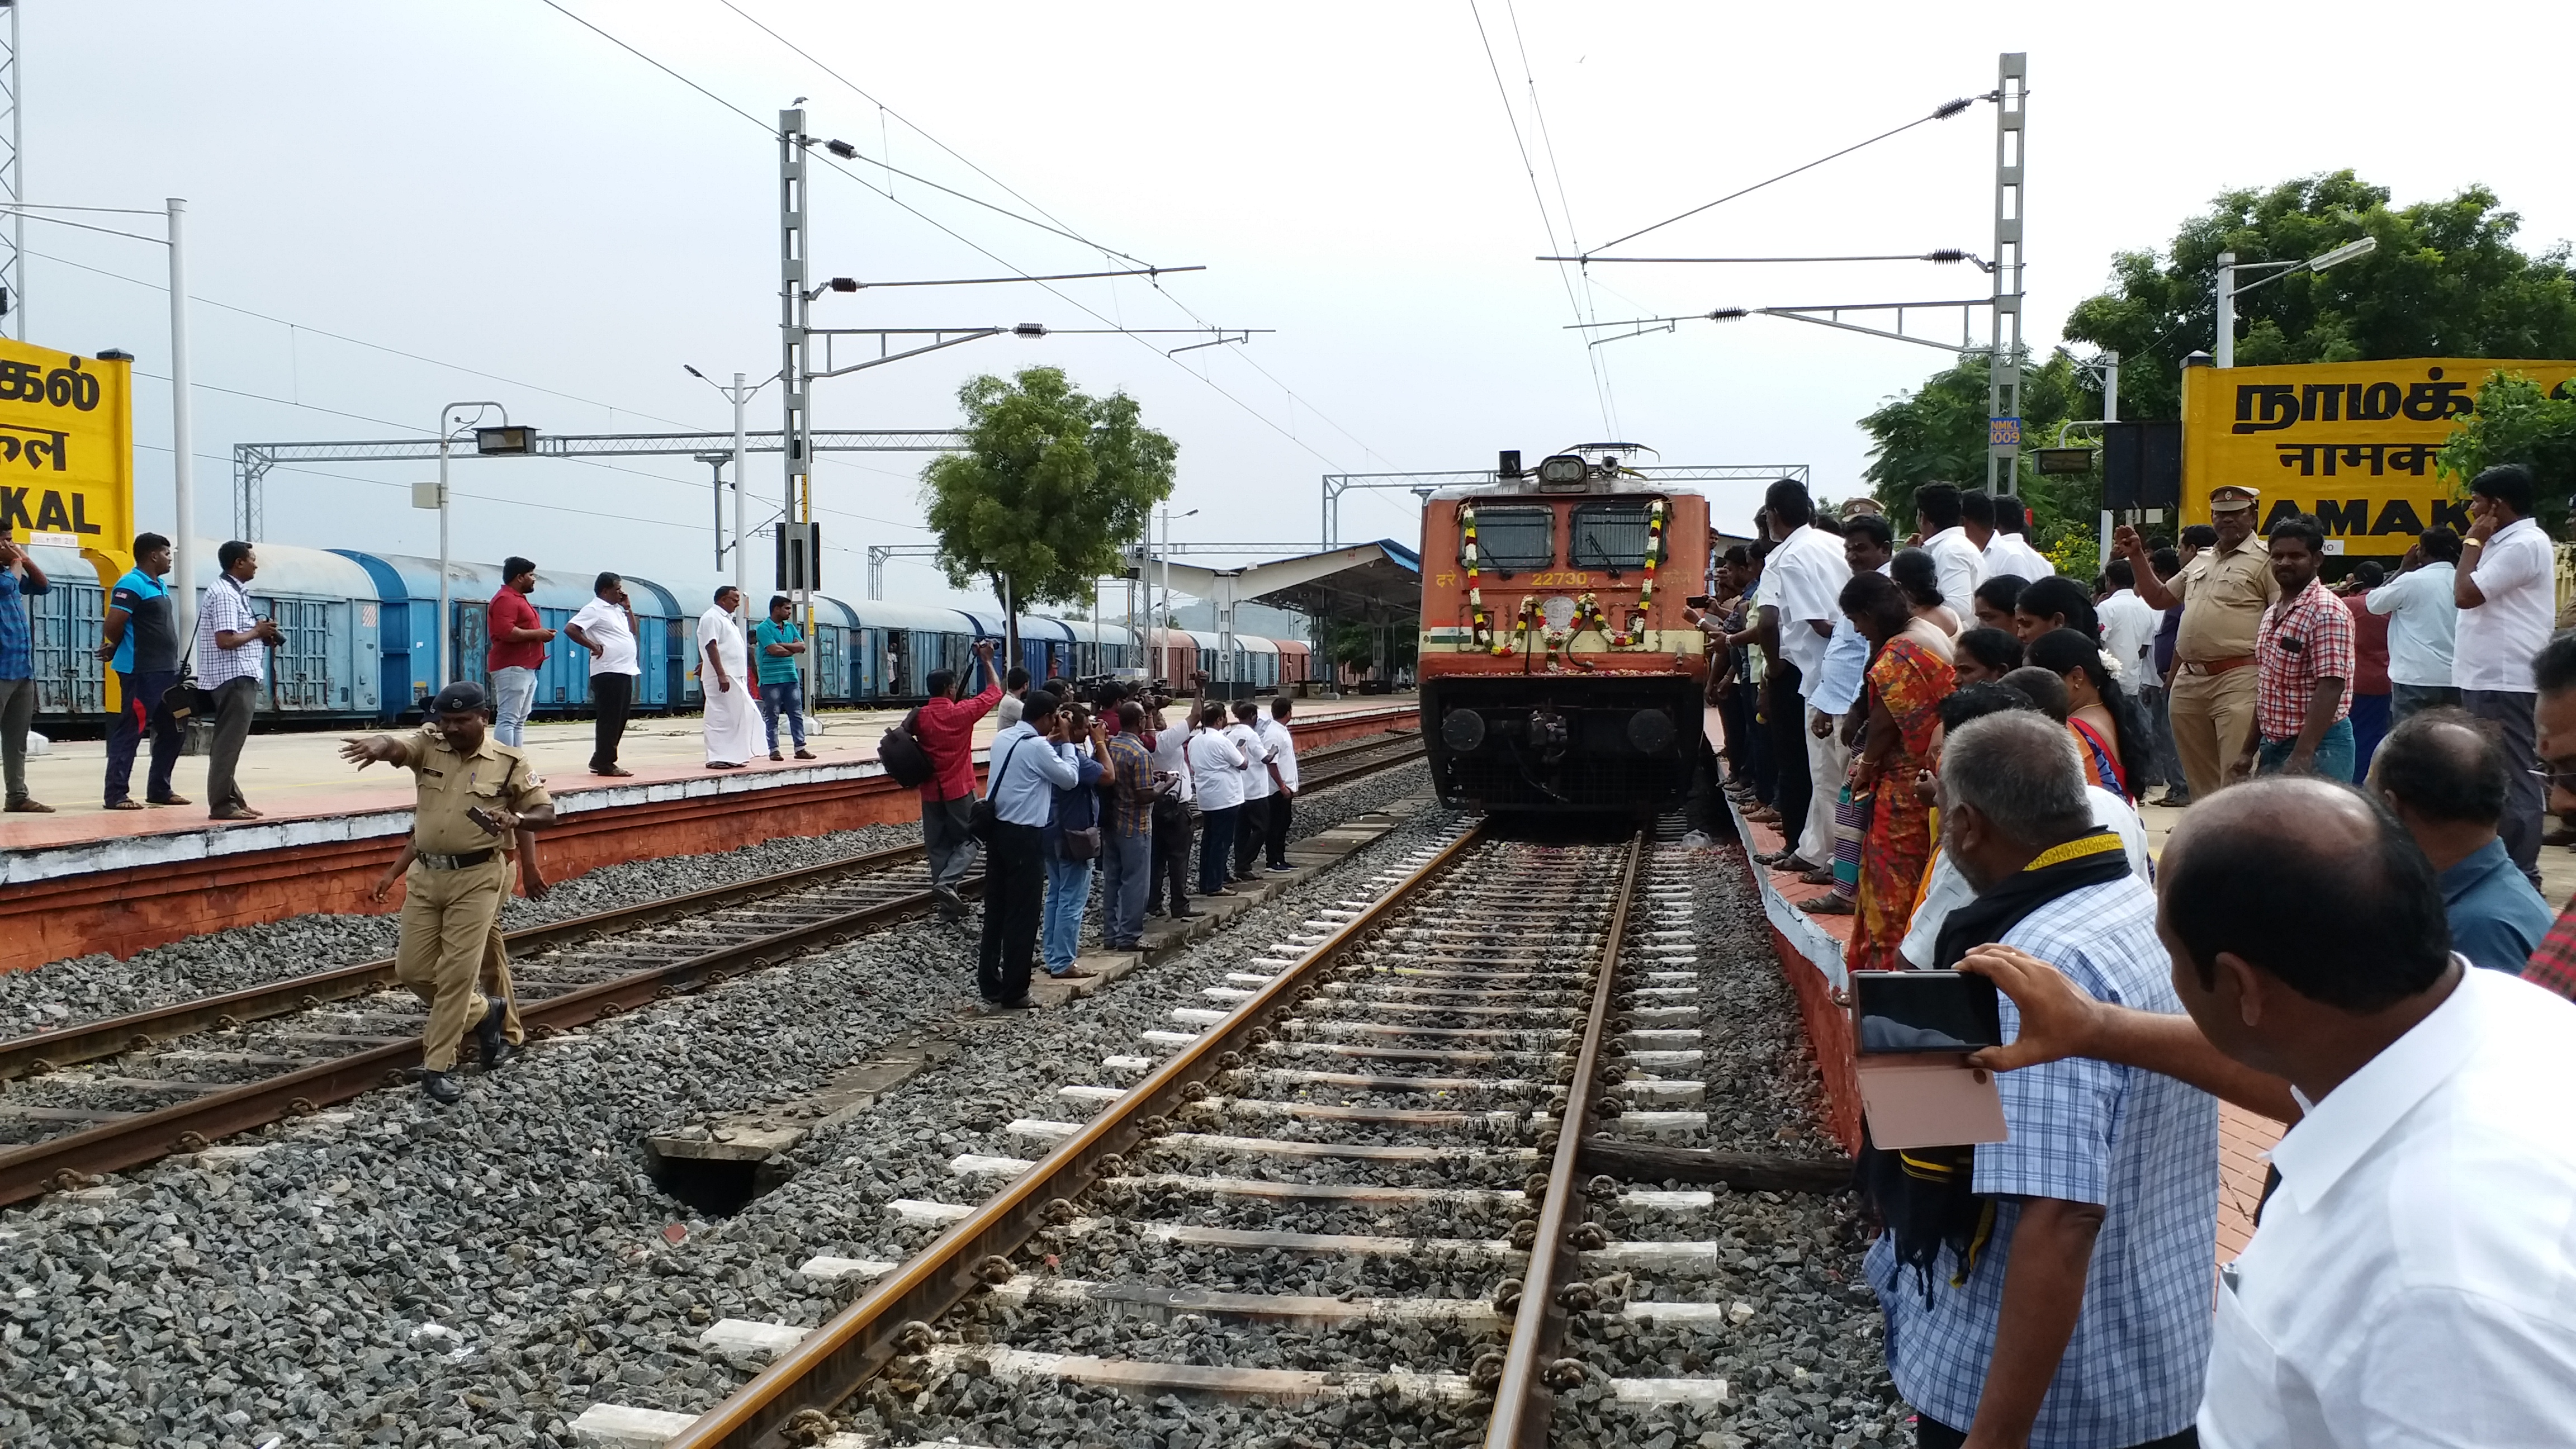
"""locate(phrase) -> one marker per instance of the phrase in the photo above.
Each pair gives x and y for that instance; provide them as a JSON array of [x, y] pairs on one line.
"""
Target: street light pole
[[741, 516], [446, 440], [2225, 307], [183, 457]]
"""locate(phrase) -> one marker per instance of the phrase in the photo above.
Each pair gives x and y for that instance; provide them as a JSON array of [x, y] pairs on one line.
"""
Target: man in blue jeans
[[20, 580], [776, 643], [143, 647]]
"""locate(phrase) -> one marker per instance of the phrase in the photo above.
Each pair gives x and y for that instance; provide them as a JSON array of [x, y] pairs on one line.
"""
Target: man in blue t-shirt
[[143, 648], [775, 643]]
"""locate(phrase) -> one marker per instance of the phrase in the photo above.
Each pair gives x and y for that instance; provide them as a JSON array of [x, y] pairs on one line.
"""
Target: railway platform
[[88, 879]]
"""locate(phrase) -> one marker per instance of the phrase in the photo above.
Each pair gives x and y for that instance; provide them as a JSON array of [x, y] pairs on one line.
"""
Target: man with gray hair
[[2059, 1284]]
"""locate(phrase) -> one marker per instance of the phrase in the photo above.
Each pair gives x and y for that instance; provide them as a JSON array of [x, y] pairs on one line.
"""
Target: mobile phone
[[1925, 1011], [1697, 601], [483, 818]]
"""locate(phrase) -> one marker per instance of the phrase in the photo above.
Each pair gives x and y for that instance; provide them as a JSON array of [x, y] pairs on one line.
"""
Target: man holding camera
[[475, 794], [232, 668]]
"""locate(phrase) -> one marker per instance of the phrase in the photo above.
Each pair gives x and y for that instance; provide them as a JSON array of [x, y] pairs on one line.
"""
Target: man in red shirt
[[945, 728], [518, 650]]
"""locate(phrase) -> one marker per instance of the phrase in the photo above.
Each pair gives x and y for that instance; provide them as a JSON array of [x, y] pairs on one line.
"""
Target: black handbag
[[184, 699], [982, 820], [1083, 844]]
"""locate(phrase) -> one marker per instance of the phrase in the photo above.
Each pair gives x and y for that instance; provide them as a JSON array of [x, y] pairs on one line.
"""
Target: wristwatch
[[2473, 543]]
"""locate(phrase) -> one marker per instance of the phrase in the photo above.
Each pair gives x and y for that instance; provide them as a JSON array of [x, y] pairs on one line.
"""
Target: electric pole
[[2003, 396]]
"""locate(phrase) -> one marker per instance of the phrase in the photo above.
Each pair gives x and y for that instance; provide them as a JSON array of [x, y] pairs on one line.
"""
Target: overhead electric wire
[[1564, 204], [1600, 392], [983, 251], [1940, 113]]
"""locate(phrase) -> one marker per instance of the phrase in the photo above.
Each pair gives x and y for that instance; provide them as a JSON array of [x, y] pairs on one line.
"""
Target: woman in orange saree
[[1907, 682]]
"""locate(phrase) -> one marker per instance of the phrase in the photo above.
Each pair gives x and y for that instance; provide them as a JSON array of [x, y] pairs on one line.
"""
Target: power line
[[1942, 112], [998, 260], [1565, 205], [1600, 391]]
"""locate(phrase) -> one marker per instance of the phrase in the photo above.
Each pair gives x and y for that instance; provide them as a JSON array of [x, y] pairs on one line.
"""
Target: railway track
[[1343, 1208], [180, 1077]]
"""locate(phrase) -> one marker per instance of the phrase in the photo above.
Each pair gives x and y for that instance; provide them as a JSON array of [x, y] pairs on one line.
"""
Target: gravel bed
[[84, 988], [397, 1273]]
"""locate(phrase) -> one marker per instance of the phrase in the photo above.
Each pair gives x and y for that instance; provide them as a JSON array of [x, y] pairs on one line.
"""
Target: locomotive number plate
[[1560, 581]]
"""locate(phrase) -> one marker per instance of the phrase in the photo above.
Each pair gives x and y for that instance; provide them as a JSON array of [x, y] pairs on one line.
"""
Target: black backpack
[[905, 761]]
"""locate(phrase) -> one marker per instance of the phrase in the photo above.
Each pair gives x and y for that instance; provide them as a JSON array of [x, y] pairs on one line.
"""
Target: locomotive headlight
[[1462, 730], [1650, 731]]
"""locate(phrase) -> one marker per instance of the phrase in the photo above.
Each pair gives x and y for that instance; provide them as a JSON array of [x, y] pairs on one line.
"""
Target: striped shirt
[[2143, 1146], [226, 608], [1131, 787]]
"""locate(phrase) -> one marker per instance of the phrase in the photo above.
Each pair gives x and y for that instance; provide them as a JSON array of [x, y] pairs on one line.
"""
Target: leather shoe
[[1797, 865], [1023, 1004], [1187, 915], [773, 754], [948, 901], [614, 770], [1073, 973], [30, 807], [442, 1088], [1818, 876], [495, 1047], [234, 813], [1827, 906], [804, 754]]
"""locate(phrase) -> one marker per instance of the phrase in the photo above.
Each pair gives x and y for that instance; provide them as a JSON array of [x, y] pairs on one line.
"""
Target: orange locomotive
[[1557, 671]]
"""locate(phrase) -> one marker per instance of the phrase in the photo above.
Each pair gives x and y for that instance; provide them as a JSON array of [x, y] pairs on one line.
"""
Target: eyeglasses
[[2560, 774]]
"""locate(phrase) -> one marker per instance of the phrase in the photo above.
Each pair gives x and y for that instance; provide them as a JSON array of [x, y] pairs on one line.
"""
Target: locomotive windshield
[[1508, 539], [1609, 535]]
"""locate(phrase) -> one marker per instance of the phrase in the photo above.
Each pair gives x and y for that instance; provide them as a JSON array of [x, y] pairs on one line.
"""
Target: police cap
[[2232, 496], [462, 697]]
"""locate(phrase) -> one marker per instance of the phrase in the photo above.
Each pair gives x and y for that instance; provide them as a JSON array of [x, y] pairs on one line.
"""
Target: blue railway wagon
[[1100, 648], [326, 605], [662, 634], [67, 622], [408, 586], [900, 644], [1261, 658], [832, 677], [1045, 644]]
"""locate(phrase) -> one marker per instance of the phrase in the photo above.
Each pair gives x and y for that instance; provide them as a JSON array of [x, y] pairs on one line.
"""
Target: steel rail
[[70, 1160], [774, 1410], [40, 1052], [1523, 1400], [140, 1030]]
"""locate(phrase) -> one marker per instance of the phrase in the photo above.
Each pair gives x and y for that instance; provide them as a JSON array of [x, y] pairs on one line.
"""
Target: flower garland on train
[[1480, 629]]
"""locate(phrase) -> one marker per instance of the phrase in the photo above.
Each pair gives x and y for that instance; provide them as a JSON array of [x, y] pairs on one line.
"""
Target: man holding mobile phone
[[2051, 1289], [20, 579], [475, 794]]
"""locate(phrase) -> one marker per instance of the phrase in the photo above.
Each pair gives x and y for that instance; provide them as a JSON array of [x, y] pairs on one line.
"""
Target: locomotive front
[[1558, 674]]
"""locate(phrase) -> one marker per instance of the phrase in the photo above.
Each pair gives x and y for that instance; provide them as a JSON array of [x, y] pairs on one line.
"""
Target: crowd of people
[[1105, 786], [2345, 935]]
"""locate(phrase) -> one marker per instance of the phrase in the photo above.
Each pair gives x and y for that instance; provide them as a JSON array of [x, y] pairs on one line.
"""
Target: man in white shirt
[[2009, 550], [1283, 772], [2409, 1281], [1252, 827], [2128, 627], [1868, 544], [725, 685], [1959, 560], [2422, 617], [2507, 590], [606, 627], [1806, 575]]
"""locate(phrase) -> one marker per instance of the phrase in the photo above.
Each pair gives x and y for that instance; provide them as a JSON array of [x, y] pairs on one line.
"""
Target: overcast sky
[[489, 184]]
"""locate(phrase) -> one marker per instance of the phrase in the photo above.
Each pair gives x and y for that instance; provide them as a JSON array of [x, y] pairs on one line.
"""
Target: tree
[[1937, 434], [1050, 484], [2517, 422], [2446, 281]]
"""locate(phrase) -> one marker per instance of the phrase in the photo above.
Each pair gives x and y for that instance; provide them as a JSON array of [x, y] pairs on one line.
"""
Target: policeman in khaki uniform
[[2223, 594], [474, 795]]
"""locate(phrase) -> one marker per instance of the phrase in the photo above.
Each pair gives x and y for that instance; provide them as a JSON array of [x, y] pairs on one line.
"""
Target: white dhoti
[[733, 715]]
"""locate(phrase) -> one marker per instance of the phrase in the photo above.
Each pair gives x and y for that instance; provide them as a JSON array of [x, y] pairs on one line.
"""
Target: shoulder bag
[[983, 819]]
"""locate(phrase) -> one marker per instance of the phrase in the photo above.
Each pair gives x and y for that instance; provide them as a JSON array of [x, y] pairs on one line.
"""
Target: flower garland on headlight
[[1646, 593], [1480, 630]]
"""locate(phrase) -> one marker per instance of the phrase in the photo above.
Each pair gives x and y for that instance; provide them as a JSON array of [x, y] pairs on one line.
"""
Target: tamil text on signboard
[[66, 450], [2354, 443]]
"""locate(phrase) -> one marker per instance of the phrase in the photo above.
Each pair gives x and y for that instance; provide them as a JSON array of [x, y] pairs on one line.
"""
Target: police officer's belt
[[455, 862]]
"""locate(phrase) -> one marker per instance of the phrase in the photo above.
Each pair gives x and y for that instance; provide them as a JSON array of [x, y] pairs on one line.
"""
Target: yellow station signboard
[[66, 449], [2351, 442]]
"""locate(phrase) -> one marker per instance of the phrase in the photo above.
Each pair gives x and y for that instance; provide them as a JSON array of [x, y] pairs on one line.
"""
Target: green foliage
[[1349, 643], [2518, 422], [2446, 281], [1050, 485], [1937, 434]]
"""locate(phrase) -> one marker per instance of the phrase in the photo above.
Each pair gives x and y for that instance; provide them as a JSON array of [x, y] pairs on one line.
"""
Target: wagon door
[[69, 620]]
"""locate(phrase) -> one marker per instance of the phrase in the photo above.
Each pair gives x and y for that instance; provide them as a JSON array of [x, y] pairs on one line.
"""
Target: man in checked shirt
[[2304, 658]]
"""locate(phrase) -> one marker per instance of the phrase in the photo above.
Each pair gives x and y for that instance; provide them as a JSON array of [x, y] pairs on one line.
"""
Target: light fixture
[[509, 441], [2347, 252], [1565, 470]]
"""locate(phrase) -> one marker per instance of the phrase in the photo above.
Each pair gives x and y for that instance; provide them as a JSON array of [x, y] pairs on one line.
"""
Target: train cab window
[[1512, 539], [1610, 536]]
